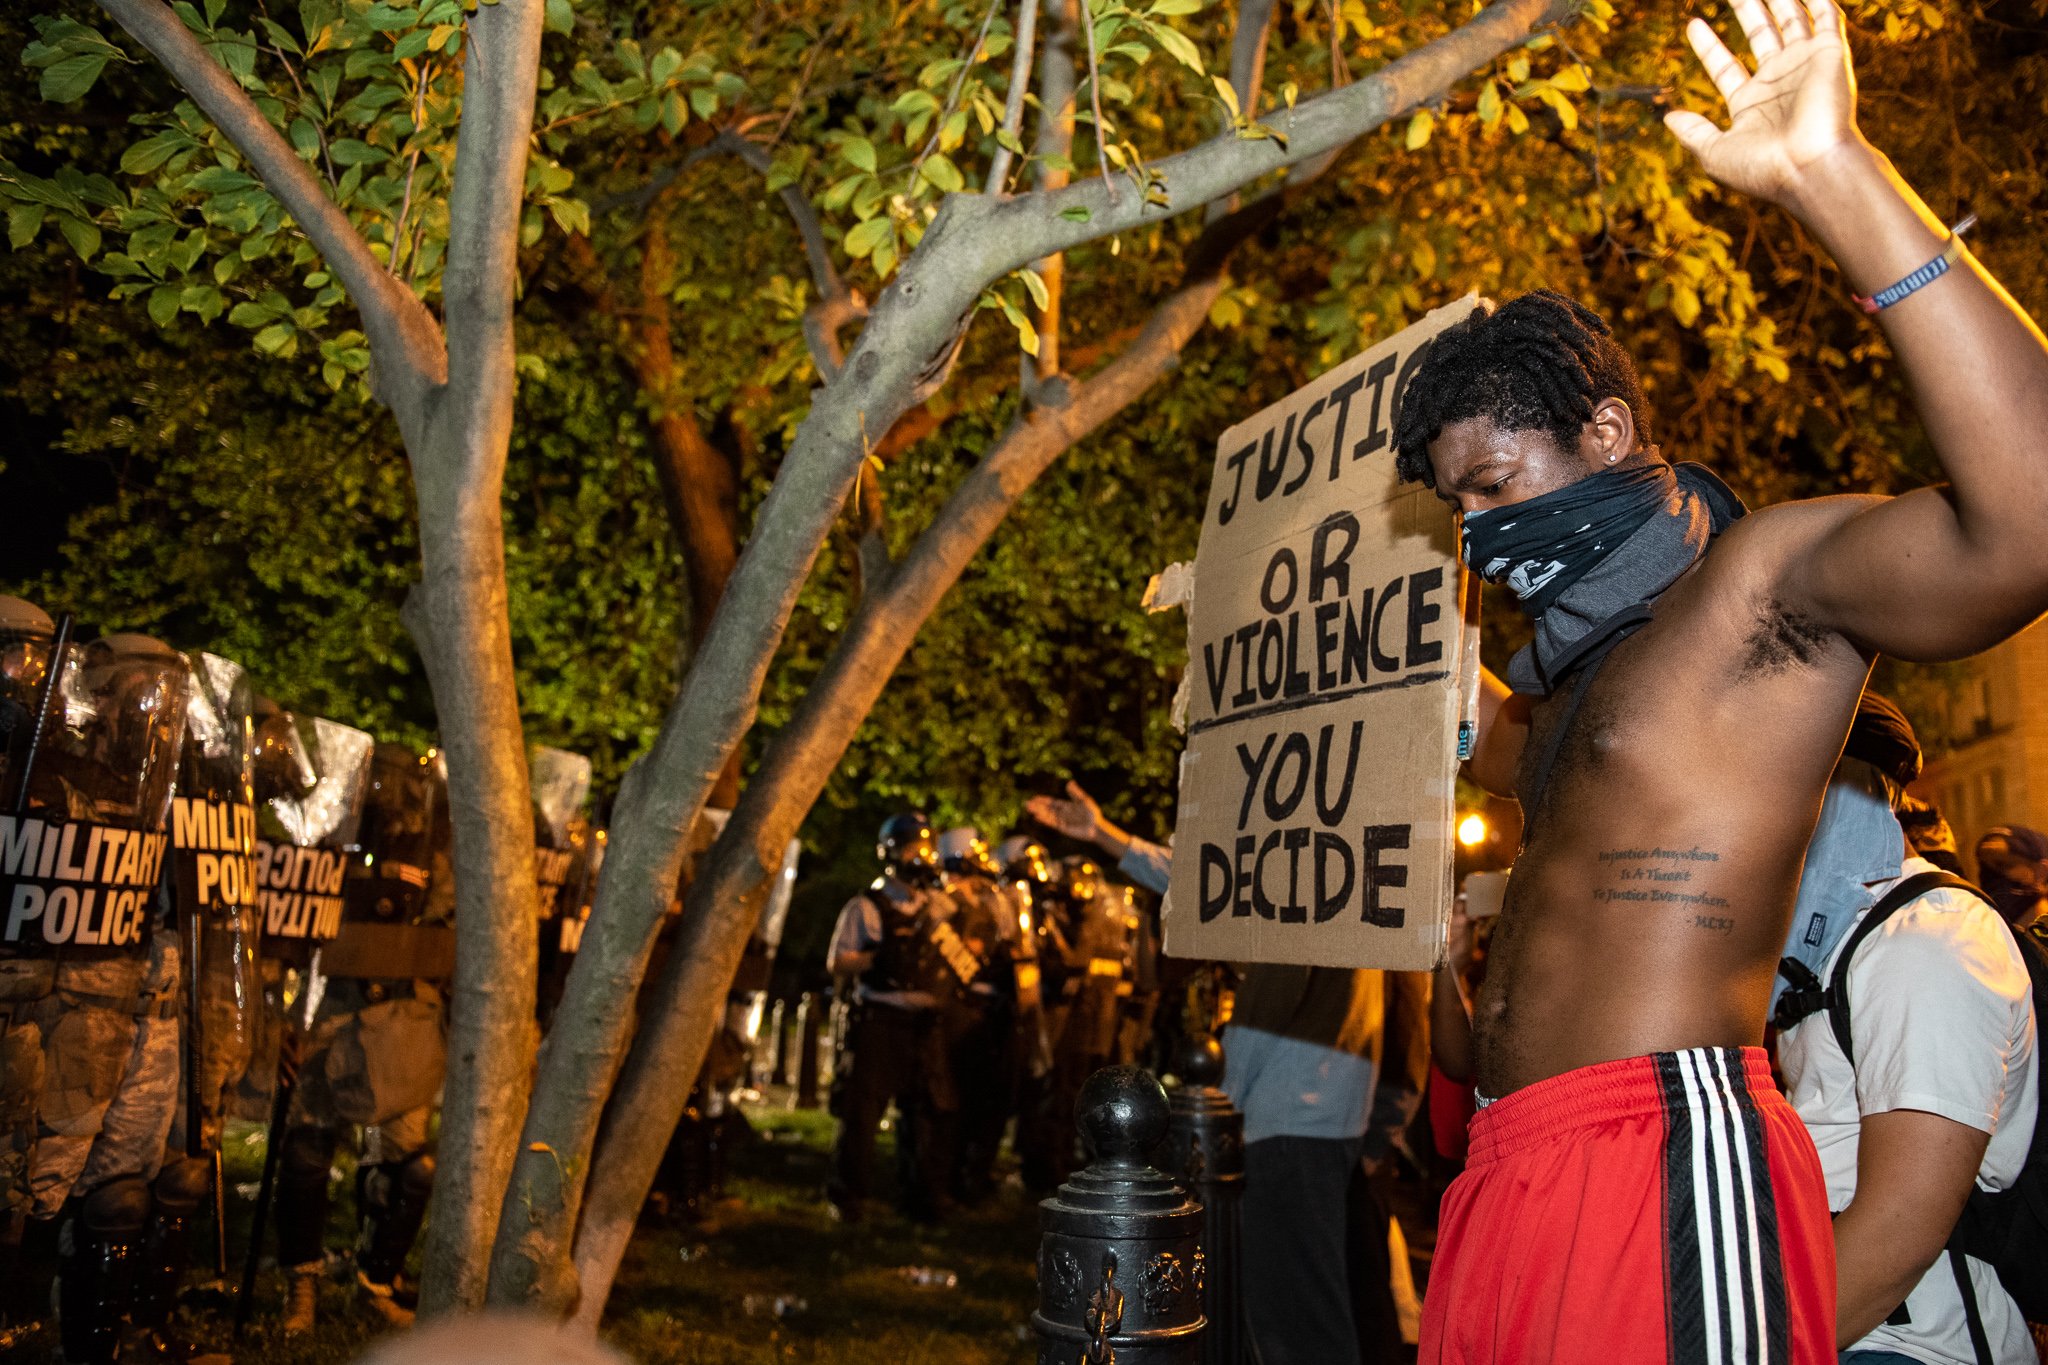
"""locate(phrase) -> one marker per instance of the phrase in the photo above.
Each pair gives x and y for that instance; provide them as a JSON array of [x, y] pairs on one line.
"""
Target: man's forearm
[[1872, 1278], [1977, 364]]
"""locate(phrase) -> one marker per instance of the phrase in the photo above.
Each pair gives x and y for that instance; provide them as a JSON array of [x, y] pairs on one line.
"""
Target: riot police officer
[[101, 784], [560, 784], [376, 1054], [979, 1013], [27, 637], [1028, 878], [884, 952]]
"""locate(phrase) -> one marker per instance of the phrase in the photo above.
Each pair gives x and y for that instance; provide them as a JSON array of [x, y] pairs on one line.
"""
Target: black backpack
[[2007, 1230]]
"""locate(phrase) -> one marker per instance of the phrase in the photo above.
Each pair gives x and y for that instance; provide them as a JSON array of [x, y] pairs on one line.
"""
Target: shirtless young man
[[1638, 1190]]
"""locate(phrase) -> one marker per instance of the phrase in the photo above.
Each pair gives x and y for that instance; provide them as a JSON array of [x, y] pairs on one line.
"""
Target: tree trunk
[[725, 900], [699, 482], [909, 338], [459, 616], [453, 402]]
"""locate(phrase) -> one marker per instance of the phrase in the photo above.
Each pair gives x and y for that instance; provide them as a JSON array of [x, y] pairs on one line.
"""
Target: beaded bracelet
[[1924, 276]]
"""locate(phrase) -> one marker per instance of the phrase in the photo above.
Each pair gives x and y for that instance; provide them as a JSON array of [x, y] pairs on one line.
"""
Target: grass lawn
[[706, 1295]]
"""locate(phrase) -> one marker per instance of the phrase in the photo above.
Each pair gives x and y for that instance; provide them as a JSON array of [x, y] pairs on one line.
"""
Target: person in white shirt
[[1942, 1091]]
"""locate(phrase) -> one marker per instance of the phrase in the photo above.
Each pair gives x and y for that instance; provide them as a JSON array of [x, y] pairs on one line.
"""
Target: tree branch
[[1007, 233], [1013, 101], [1247, 71], [412, 358], [1095, 100], [479, 282], [837, 306], [1055, 148]]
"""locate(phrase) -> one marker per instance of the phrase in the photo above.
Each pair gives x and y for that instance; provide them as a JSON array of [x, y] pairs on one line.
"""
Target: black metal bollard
[[1204, 1150], [810, 1028], [1121, 1270]]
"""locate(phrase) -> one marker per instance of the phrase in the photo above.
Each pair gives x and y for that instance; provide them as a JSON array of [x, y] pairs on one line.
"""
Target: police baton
[[52, 679], [273, 1146]]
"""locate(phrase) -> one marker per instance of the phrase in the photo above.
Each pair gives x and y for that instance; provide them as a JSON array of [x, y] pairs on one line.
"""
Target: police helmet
[[26, 635], [1024, 859], [906, 845], [962, 852], [1080, 878]]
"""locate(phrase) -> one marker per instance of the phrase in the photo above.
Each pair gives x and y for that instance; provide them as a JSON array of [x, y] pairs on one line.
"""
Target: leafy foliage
[[261, 514]]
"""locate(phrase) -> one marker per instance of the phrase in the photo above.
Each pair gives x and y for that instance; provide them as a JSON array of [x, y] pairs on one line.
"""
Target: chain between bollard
[[1105, 1316]]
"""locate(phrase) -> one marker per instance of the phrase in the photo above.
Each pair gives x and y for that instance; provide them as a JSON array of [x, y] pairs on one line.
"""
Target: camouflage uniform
[[110, 1026], [375, 1055]]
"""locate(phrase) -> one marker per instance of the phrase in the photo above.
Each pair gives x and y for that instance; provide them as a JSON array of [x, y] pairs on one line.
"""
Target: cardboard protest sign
[[1328, 665]]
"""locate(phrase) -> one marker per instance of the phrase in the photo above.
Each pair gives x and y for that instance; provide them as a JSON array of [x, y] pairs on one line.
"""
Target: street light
[[1472, 830]]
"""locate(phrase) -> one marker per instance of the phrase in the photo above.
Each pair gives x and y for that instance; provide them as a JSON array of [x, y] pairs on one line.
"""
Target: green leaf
[[1489, 104], [1559, 105], [1009, 141], [348, 151], [560, 16], [250, 314], [70, 78], [163, 305], [941, 174], [858, 152], [1034, 285], [83, 236], [1174, 7], [224, 180], [1418, 129], [273, 340], [152, 152], [23, 222], [836, 197], [411, 45], [863, 238], [885, 256], [1178, 46], [666, 63], [204, 300], [1227, 95], [674, 113], [1077, 213], [705, 101]]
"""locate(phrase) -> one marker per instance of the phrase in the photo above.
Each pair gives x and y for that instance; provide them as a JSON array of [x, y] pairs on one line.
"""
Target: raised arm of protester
[[1941, 572], [1078, 817]]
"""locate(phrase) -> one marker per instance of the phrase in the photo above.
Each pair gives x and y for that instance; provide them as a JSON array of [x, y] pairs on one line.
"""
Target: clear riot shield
[[312, 775], [560, 782], [561, 925], [400, 842], [213, 885], [83, 844]]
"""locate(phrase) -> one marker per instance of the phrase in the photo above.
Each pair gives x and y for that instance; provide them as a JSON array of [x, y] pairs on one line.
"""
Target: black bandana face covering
[[1586, 559], [1541, 547]]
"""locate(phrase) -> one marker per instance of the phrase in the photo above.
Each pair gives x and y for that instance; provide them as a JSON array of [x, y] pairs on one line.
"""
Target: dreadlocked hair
[[1541, 362]]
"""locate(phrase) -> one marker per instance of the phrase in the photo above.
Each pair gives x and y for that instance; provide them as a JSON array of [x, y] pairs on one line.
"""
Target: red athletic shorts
[[1660, 1208]]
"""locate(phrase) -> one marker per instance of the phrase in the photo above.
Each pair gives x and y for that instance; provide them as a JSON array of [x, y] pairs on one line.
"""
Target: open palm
[[1798, 106]]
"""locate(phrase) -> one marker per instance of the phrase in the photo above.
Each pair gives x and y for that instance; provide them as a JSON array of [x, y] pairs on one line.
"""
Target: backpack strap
[[1804, 994], [1837, 1005], [1836, 997], [1973, 1317]]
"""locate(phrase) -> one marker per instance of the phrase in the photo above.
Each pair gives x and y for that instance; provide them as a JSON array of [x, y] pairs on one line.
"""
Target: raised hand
[[1077, 818], [1799, 106]]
